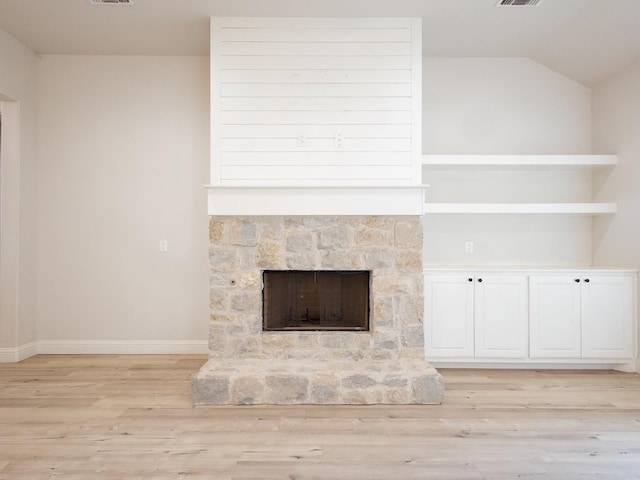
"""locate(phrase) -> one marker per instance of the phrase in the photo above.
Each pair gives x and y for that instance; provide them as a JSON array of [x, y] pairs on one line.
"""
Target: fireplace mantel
[[316, 200]]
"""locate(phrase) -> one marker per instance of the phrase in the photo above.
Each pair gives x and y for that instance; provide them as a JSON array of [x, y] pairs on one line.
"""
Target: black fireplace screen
[[315, 300]]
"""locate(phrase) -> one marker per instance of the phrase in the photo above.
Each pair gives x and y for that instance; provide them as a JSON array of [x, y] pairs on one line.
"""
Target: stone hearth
[[384, 365]]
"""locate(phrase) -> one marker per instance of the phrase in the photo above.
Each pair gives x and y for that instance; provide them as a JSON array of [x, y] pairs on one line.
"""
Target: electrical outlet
[[301, 141], [164, 246], [468, 246]]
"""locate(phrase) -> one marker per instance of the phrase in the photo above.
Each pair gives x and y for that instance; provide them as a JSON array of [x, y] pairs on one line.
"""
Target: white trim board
[[521, 208], [555, 365], [122, 347], [521, 160], [13, 355]]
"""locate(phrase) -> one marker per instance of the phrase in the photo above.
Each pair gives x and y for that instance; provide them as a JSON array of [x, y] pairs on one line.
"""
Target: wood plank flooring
[[130, 417]]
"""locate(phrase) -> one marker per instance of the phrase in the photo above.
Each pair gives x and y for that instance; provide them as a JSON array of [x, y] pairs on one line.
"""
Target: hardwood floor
[[117, 417]]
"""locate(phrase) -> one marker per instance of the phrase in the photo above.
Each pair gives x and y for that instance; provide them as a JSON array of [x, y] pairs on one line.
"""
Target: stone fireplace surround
[[385, 365]]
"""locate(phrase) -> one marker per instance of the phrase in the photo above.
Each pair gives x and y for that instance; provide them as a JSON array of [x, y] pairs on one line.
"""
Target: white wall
[[616, 124], [123, 151], [505, 106], [17, 199]]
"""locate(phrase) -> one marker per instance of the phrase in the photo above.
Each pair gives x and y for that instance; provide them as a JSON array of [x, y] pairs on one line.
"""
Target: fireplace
[[377, 356], [315, 300]]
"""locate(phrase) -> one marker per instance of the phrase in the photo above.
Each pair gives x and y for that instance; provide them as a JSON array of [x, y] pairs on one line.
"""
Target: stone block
[[218, 299], [299, 241], [427, 389], [409, 234], [373, 237], [235, 330], [413, 337], [243, 233], [342, 260], [395, 381], [382, 310], [247, 258], [315, 222], [303, 261], [385, 345], [382, 258], [409, 309], [221, 318], [409, 261], [247, 390], [279, 339], [253, 324], [382, 222], [324, 389], [223, 259], [271, 229], [286, 389], [249, 302], [397, 396], [216, 338], [382, 355], [219, 279], [359, 381], [250, 279], [210, 390], [337, 237], [216, 230], [268, 256], [392, 284], [336, 340]]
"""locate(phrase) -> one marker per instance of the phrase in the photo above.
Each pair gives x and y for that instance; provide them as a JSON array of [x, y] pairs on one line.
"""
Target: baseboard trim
[[555, 365], [13, 355], [122, 347]]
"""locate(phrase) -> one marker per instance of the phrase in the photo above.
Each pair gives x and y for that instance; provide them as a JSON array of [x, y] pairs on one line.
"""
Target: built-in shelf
[[520, 160], [467, 162], [521, 208]]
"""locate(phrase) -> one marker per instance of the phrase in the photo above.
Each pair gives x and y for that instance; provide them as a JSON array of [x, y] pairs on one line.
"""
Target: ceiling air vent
[[518, 3], [111, 2]]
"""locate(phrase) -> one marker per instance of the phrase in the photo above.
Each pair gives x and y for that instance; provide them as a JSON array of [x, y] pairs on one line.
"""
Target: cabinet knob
[[586, 280], [577, 280], [471, 279], [480, 280]]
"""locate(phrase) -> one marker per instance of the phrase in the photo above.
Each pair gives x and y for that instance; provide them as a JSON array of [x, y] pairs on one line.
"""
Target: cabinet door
[[448, 316], [607, 316], [554, 316], [501, 315]]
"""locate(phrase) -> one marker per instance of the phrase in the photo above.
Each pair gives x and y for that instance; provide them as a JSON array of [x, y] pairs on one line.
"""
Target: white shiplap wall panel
[[313, 101], [296, 103], [318, 158], [318, 63], [302, 118], [317, 76], [315, 131]]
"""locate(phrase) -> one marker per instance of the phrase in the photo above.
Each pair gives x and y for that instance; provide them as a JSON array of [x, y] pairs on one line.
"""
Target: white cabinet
[[475, 315], [501, 316], [581, 315], [557, 317], [554, 328], [449, 316]]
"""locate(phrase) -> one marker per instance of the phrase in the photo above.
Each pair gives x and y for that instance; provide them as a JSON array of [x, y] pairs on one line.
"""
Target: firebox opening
[[315, 300]]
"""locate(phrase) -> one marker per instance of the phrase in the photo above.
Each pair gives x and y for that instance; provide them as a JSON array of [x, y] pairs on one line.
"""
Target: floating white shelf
[[521, 208], [521, 160]]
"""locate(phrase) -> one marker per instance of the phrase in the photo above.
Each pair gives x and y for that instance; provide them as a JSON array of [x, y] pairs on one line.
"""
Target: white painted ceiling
[[586, 40]]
